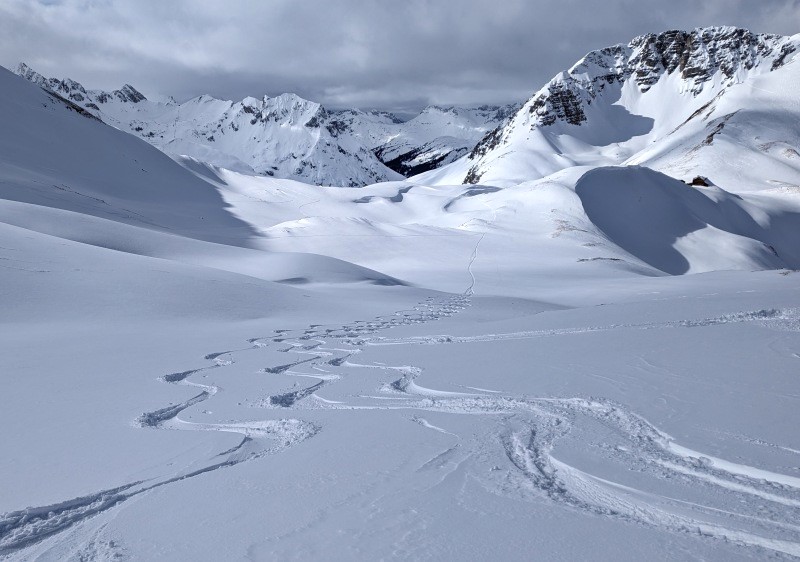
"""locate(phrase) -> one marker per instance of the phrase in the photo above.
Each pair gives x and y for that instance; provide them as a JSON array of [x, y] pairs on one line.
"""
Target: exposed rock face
[[713, 57], [429, 156], [699, 54], [76, 92], [560, 103]]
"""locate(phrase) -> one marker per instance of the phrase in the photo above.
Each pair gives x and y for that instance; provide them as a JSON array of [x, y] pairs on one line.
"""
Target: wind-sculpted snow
[[651, 215], [631, 220]]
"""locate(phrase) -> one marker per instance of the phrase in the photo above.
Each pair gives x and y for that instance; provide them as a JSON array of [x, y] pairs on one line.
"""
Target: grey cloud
[[389, 54]]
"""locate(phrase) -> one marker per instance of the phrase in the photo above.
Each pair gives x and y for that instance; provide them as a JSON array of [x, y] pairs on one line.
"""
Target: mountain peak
[[603, 93], [696, 57], [129, 93], [74, 91], [29, 74]]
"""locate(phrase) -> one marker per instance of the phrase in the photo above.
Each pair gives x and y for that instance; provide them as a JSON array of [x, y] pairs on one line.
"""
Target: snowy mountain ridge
[[284, 136], [75, 92], [287, 136], [618, 101]]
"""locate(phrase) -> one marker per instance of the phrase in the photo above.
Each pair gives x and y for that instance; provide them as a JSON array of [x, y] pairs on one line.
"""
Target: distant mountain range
[[718, 102], [287, 136]]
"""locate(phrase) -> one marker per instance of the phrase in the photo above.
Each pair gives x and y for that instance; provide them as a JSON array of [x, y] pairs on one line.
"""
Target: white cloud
[[380, 53]]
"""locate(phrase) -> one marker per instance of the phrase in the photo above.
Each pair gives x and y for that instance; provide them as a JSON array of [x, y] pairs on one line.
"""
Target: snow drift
[[679, 229]]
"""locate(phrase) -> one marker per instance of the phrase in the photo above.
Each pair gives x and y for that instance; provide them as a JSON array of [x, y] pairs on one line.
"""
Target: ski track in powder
[[530, 428]]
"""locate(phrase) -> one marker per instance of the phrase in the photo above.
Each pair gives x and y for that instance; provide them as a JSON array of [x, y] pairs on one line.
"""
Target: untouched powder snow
[[564, 361]]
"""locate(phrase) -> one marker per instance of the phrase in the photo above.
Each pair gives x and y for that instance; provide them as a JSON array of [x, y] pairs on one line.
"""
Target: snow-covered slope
[[719, 102], [66, 174], [285, 136], [54, 154], [371, 128], [437, 136], [577, 224]]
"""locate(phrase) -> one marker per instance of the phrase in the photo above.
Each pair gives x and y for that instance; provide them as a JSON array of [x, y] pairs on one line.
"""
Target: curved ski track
[[525, 429]]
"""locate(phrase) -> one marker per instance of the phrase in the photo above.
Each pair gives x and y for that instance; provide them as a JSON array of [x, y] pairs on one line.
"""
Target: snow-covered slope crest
[[285, 136], [654, 93]]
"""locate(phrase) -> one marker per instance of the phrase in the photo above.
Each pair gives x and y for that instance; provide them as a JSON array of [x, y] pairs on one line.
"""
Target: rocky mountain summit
[[619, 100], [75, 92]]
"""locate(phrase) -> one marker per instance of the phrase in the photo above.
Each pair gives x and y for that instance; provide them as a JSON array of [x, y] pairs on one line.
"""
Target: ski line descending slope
[[529, 429], [740, 504], [26, 527], [733, 495], [471, 288]]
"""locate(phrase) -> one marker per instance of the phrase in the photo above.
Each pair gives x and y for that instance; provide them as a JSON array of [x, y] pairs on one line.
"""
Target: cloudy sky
[[392, 54]]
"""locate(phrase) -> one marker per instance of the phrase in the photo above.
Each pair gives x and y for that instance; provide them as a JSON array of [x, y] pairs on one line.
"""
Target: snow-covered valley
[[577, 355]]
